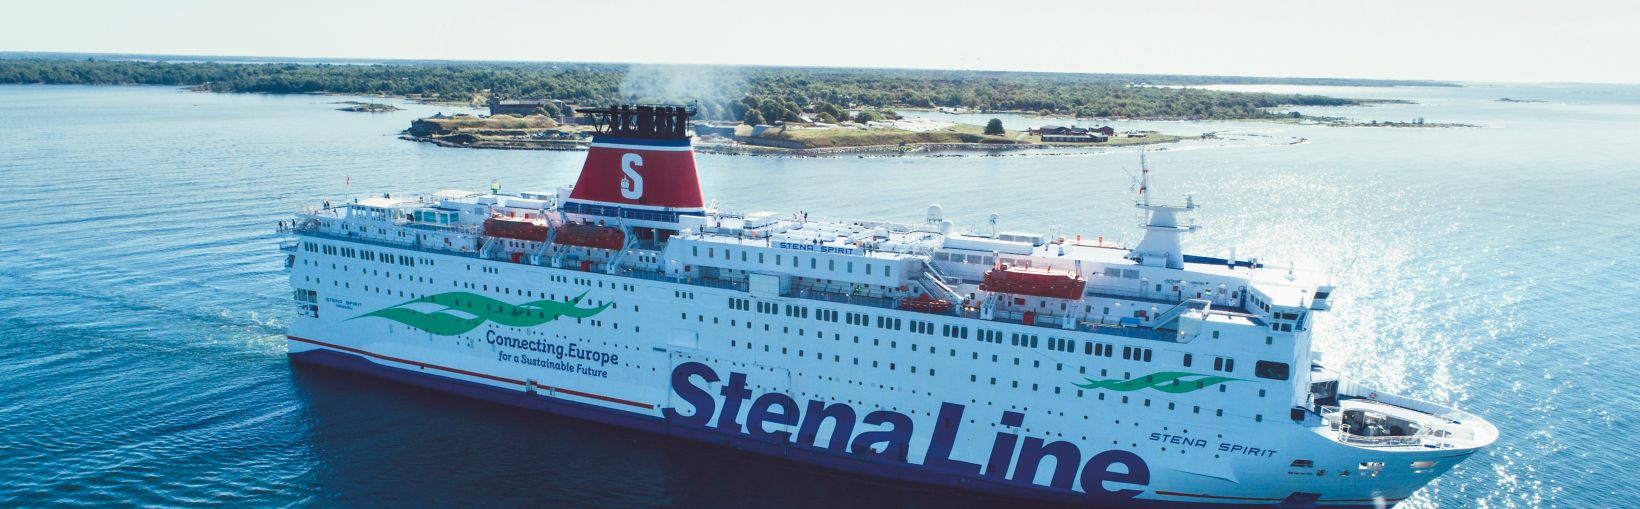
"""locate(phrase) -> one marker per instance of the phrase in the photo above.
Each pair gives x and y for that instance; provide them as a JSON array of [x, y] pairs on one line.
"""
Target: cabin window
[[886, 271], [1271, 370], [1187, 360], [868, 269]]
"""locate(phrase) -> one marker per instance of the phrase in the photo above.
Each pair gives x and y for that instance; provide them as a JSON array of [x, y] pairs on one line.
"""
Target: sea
[[143, 299]]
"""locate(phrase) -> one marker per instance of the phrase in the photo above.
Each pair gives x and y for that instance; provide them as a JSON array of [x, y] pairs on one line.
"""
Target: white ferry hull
[[637, 389]]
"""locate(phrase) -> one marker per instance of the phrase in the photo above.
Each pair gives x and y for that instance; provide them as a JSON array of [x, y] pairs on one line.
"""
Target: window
[[1187, 360], [1270, 370]]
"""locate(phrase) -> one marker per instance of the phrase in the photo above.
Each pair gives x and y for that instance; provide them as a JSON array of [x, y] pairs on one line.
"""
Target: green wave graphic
[[444, 322], [1173, 382]]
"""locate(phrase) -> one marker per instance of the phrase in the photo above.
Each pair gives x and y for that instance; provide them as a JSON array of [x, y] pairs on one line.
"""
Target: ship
[[1026, 366]]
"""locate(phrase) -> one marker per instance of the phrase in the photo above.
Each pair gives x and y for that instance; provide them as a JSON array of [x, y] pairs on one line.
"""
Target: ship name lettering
[[888, 435], [1181, 440]]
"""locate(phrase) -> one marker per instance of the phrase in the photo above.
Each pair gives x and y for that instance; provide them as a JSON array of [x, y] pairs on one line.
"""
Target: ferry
[[1028, 366]]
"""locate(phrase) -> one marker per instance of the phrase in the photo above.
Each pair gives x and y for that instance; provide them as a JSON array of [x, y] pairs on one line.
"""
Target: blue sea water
[[143, 301]]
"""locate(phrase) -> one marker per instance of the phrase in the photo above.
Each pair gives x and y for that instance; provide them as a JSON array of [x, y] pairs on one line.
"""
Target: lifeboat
[[1035, 282], [587, 235], [925, 304], [533, 230]]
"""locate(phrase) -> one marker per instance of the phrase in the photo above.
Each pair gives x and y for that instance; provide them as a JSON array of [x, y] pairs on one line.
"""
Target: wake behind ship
[[1022, 365]]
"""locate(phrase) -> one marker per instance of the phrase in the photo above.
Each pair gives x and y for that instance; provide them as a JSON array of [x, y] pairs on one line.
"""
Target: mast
[[1160, 246]]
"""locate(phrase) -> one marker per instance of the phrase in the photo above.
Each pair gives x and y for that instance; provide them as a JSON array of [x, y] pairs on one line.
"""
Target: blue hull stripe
[[845, 462]]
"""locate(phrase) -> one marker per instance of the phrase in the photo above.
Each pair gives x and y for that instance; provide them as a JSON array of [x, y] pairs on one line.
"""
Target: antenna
[[1160, 246], [1144, 182]]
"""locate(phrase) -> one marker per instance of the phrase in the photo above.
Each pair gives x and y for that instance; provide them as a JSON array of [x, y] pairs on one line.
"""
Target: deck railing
[[1051, 322]]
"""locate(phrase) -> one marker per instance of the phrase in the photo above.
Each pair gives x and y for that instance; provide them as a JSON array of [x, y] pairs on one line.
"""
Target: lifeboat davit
[[587, 235], [533, 230], [925, 304], [1035, 282]]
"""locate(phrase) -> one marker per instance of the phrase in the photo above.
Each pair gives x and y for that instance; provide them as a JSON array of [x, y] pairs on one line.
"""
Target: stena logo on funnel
[[631, 181], [639, 173]]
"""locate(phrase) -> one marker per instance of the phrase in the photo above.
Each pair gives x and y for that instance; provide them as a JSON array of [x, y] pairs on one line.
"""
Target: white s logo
[[631, 181]]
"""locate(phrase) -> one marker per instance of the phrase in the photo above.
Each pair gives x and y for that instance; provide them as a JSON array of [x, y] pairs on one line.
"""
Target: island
[[885, 136], [755, 95], [364, 107], [813, 110], [530, 132]]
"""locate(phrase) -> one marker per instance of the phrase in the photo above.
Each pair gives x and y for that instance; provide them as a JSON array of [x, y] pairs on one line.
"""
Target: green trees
[[549, 109], [752, 117], [832, 110], [995, 127], [773, 93]]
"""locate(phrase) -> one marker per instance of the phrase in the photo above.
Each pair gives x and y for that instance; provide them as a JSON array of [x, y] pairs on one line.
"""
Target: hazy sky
[[1572, 40]]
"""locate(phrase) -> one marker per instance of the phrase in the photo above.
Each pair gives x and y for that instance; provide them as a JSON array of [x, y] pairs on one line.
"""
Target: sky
[[1591, 41]]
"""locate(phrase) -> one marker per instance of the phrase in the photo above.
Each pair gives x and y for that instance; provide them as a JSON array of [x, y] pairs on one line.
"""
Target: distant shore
[[884, 138]]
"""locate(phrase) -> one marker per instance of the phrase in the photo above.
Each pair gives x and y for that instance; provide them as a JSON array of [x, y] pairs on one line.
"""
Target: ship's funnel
[[641, 165]]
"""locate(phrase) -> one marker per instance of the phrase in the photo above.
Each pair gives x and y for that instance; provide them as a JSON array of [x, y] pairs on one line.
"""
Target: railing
[[411, 244], [1334, 417], [931, 280], [1052, 322], [1385, 441], [1180, 308], [842, 298]]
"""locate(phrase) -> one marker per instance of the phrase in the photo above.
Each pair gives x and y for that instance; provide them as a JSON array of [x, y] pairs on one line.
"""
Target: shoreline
[[922, 149]]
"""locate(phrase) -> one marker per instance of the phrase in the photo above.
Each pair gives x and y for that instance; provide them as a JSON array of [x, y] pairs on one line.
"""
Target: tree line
[[764, 94]]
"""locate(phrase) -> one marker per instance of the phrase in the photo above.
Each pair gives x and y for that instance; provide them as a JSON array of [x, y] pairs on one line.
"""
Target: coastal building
[[517, 106], [1074, 138], [705, 129], [1047, 130]]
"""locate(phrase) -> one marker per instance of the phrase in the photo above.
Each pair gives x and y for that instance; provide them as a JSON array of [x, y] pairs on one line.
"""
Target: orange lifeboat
[[925, 304], [587, 235], [1035, 282], [533, 230]]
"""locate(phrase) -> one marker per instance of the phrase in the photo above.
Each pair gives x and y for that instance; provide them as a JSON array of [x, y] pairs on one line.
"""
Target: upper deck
[[817, 259]]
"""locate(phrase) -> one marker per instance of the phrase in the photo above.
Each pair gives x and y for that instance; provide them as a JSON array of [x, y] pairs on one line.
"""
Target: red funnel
[[638, 173]]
